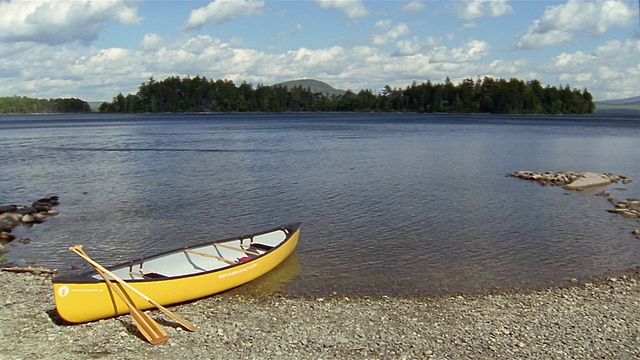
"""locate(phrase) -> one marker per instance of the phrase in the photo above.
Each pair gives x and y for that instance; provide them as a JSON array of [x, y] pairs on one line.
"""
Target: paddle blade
[[149, 328], [104, 272]]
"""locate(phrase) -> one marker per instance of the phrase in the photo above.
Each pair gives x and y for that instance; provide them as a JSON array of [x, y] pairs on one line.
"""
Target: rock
[[41, 206], [10, 219], [8, 209], [617, 211], [40, 216], [589, 179], [27, 219], [51, 200], [27, 210], [6, 237], [569, 179], [14, 215]]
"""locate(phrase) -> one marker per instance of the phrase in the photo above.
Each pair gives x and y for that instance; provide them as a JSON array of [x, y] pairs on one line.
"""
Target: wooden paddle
[[149, 328], [186, 324]]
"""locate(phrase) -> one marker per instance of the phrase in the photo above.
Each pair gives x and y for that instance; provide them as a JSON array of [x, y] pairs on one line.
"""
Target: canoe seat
[[147, 274], [261, 246], [153, 275]]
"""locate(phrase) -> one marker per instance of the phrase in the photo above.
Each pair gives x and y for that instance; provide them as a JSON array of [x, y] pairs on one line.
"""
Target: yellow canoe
[[176, 276]]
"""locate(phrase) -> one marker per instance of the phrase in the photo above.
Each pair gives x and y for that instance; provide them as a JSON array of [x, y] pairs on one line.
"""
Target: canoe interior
[[195, 259]]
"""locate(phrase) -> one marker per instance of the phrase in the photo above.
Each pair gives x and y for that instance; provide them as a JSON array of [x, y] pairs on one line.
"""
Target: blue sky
[[94, 50]]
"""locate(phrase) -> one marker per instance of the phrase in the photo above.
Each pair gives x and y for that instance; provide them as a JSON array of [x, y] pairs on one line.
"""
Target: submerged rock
[[13, 215], [8, 208], [6, 237], [629, 208]]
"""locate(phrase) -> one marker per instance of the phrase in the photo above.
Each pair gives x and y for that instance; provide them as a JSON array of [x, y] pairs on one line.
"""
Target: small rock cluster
[[13, 215], [574, 180], [564, 178], [629, 208]]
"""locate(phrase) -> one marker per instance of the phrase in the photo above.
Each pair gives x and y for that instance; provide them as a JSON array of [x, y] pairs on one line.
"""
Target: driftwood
[[31, 270]]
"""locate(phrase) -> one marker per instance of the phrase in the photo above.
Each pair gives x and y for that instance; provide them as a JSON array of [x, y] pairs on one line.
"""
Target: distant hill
[[632, 103], [316, 86], [95, 105]]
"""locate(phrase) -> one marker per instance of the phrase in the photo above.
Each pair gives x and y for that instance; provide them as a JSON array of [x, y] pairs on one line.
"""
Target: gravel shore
[[599, 319]]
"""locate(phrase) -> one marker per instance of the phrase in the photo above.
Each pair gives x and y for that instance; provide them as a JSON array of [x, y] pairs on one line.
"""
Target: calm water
[[390, 204]]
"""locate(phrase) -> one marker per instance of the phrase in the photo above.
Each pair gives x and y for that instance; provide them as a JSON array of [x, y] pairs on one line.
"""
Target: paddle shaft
[[186, 324], [149, 328]]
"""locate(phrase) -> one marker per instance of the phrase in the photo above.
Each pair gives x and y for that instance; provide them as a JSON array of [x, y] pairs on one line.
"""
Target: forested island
[[25, 105], [199, 94], [488, 95]]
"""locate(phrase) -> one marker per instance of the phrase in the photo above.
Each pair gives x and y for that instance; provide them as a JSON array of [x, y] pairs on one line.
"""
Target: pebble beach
[[598, 319]]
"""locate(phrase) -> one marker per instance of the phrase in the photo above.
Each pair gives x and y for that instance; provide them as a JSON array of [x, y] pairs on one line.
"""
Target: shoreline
[[581, 321]]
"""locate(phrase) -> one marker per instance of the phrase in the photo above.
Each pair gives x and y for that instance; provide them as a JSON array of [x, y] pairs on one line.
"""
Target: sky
[[94, 50]]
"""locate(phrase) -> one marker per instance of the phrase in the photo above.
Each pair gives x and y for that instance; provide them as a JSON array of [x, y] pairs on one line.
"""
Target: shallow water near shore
[[390, 203]]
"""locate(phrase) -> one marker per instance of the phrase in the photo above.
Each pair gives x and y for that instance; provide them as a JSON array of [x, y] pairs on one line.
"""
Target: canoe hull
[[83, 299]]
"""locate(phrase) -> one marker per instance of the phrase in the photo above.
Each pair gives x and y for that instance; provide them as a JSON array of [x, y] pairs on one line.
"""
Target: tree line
[[487, 95], [25, 105]]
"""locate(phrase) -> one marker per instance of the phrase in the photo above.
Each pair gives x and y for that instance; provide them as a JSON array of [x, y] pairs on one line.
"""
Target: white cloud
[[59, 22], [388, 33], [567, 61], [221, 11], [611, 70], [415, 46], [150, 42], [352, 9], [533, 38], [560, 21], [436, 52], [474, 50], [72, 71], [27, 69], [471, 9], [414, 6], [104, 73]]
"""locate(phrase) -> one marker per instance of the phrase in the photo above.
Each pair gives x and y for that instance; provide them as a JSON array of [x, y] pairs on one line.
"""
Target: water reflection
[[274, 281]]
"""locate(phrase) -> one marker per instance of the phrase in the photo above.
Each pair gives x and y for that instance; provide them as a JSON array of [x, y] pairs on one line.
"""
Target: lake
[[397, 204]]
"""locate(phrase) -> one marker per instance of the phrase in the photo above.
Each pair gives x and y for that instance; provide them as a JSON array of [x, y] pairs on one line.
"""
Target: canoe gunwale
[[88, 276]]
